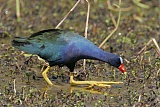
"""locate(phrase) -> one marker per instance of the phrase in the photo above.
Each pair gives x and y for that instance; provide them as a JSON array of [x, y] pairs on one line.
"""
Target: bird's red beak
[[122, 68]]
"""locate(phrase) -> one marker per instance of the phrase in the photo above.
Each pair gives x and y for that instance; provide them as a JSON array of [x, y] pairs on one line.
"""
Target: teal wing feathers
[[48, 44]]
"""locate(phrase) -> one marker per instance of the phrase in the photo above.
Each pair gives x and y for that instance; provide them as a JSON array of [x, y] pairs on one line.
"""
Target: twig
[[110, 7], [19, 68], [67, 14], [14, 86], [145, 47], [157, 47], [113, 19], [139, 98], [137, 2], [86, 29], [115, 29], [18, 10]]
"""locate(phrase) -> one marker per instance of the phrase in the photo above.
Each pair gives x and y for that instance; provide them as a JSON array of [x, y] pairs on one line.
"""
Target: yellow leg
[[91, 83], [44, 74]]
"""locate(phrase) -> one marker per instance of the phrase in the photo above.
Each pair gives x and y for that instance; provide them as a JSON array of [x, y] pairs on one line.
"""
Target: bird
[[65, 48]]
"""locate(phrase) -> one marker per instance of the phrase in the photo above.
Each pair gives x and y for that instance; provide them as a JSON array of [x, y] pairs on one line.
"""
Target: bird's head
[[118, 63], [121, 67]]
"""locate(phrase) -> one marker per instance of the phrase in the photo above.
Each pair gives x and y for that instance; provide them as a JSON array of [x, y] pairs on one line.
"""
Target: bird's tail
[[23, 44], [19, 41]]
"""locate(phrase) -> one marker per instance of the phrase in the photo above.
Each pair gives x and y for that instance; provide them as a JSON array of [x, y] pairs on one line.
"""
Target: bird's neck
[[98, 54]]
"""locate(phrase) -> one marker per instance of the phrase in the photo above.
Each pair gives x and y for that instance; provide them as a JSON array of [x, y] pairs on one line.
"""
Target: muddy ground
[[21, 83]]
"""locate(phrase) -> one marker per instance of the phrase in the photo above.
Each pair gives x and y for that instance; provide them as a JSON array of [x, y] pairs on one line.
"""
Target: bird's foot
[[92, 83]]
